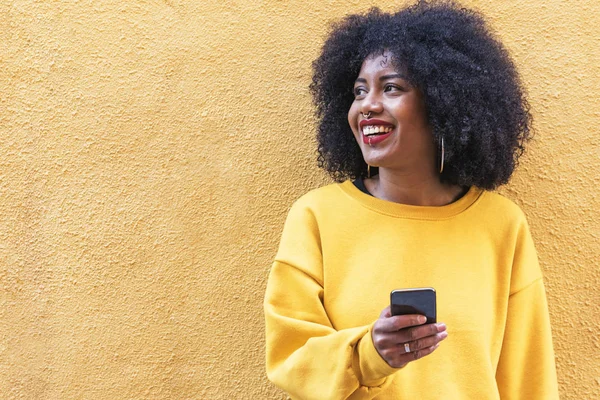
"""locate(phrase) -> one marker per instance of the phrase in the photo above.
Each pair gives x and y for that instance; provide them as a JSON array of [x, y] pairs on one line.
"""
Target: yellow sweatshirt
[[341, 254]]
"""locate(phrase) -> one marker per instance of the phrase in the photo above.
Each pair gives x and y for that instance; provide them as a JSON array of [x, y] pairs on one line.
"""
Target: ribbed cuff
[[371, 368]]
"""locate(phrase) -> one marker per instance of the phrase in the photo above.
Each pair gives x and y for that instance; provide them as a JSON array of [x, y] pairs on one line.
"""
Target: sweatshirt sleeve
[[306, 356], [526, 368]]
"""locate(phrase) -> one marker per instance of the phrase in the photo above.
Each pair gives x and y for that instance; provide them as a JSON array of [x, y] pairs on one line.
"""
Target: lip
[[367, 122], [374, 139]]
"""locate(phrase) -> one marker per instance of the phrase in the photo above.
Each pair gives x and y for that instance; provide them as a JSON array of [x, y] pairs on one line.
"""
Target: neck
[[411, 188]]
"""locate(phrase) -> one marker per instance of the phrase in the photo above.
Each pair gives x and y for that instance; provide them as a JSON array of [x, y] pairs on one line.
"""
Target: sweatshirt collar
[[411, 211]]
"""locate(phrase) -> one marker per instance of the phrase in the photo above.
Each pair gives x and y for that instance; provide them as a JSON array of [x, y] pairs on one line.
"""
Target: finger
[[418, 332], [398, 322], [385, 332], [386, 313], [404, 359], [429, 341]]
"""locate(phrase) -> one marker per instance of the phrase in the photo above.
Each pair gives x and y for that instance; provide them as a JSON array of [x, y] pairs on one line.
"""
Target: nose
[[371, 103]]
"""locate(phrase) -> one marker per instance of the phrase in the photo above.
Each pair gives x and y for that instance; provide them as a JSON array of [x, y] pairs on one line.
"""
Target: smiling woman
[[389, 120], [419, 113]]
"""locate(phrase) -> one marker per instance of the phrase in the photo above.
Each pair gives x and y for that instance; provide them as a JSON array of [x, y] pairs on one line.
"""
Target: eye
[[359, 92], [392, 88]]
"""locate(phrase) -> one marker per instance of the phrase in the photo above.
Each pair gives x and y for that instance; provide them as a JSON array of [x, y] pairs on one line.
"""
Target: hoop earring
[[442, 156], [368, 171]]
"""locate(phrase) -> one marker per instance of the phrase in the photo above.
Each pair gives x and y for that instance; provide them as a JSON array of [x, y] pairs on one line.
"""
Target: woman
[[423, 112]]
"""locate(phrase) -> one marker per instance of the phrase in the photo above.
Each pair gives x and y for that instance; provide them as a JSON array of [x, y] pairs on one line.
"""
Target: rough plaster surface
[[149, 152]]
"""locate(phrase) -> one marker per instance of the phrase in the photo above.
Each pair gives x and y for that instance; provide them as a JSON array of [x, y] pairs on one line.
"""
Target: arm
[[526, 368], [306, 356]]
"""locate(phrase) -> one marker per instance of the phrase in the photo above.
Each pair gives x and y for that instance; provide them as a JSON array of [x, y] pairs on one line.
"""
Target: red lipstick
[[376, 138], [379, 122]]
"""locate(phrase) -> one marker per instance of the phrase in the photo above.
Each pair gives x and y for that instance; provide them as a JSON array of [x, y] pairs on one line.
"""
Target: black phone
[[414, 301]]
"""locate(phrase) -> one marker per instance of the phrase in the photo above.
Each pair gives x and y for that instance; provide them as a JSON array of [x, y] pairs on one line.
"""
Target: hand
[[390, 334]]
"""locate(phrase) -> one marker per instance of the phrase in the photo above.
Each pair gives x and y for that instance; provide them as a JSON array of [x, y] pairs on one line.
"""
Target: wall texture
[[149, 151]]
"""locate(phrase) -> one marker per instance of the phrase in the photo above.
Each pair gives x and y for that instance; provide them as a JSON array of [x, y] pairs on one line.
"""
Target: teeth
[[374, 129]]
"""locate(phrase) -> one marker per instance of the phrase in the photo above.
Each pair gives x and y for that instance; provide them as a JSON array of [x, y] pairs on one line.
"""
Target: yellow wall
[[149, 152]]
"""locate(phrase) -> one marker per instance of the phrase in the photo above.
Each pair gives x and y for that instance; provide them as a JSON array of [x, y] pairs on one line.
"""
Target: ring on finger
[[406, 348]]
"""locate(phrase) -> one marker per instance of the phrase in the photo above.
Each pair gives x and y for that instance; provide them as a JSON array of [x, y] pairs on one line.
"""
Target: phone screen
[[414, 301]]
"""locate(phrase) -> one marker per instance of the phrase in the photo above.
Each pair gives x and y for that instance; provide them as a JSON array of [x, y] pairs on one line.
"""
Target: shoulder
[[511, 238], [500, 217], [318, 206], [323, 197], [502, 207], [301, 236], [322, 193]]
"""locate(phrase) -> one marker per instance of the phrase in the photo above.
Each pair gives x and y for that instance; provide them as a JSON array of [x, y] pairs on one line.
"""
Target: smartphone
[[414, 301]]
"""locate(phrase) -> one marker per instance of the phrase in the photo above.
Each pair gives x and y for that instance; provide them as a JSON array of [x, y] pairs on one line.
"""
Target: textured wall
[[149, 151]]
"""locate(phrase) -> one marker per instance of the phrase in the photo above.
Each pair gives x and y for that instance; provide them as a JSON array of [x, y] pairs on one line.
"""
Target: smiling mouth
[[374, 130]]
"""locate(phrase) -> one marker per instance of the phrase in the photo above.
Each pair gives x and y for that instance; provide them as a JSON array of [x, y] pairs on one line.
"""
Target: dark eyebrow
[[384, 78], [392, 76]]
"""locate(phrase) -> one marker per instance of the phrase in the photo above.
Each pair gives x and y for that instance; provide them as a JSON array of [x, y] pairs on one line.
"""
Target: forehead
[[378, 64]]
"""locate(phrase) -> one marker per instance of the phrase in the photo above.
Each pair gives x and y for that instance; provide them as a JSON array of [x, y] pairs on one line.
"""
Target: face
[[396, 134]]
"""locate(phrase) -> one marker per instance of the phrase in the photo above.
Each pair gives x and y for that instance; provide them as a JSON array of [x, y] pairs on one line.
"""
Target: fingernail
[[441, 327], [422, 319], [444, 335]]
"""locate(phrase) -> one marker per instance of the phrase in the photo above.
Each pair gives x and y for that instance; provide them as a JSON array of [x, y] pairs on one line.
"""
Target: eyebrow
[[384, 78]]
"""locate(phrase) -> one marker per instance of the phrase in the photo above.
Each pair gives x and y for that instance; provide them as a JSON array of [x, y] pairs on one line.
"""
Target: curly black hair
[[473, 95]]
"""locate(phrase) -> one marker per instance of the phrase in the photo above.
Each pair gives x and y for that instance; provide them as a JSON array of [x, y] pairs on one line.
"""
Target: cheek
[[353, 117]]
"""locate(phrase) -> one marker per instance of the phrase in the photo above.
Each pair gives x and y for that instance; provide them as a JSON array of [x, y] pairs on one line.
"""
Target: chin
[[377, 161]]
